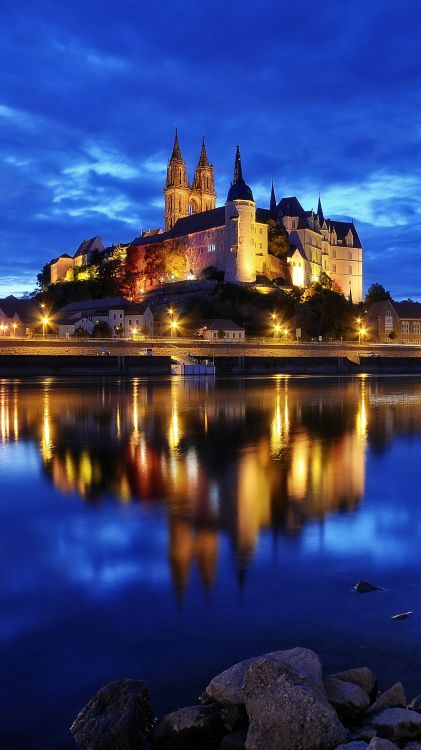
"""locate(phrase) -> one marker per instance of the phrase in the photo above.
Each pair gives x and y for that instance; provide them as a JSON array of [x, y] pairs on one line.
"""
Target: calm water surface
[[163, 530]]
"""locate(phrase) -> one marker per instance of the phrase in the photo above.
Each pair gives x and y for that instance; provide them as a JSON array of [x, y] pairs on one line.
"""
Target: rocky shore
[[278, 701]]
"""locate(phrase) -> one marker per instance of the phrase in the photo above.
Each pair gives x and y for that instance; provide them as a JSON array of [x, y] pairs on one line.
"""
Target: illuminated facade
[[234, 238]]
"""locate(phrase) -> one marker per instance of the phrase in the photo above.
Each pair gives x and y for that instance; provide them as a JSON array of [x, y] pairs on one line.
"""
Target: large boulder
[[228, 686], [397, 724], [119, 717], [191, 727], [392, 698], [362, 676], [354, 745], [288, 710], [349, 700]]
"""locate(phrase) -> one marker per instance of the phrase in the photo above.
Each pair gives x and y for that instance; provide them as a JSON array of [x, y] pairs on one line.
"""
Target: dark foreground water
[[163, 530]]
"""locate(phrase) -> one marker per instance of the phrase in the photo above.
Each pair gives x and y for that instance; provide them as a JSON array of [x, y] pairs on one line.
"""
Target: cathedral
[[234, 238]]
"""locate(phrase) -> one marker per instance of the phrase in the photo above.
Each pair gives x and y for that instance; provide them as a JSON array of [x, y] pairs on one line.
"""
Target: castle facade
[[234, 238]]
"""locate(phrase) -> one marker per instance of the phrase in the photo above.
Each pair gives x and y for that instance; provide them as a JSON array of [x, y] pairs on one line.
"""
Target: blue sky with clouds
[[326, 97]]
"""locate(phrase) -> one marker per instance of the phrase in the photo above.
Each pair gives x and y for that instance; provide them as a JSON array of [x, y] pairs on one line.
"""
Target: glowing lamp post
[[14, 326], [277, 330], [361, 333], [134, 332], [45, 322], [173, 326]]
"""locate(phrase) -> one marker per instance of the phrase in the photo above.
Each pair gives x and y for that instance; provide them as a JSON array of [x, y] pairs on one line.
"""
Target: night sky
[[323, 96]]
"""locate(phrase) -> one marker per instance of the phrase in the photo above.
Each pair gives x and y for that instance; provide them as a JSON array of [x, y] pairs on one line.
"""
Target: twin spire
[[176, 152]]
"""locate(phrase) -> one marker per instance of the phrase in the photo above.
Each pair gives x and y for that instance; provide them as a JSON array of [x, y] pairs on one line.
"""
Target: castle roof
[[342, 228], [291, 207], [87, 245], [239, 190]]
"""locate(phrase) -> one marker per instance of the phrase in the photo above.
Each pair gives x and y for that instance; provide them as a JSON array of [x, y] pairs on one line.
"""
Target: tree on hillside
[[376, 293], [324, 312], [44, 277], [278, 238], [168, 261]]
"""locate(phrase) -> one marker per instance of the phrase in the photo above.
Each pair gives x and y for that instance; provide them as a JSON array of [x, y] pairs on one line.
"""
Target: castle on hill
[[236, 238]]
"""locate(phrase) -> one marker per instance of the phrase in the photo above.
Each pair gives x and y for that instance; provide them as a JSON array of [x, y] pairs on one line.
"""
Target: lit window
[[416, 326], [405, 326], [211, 248]]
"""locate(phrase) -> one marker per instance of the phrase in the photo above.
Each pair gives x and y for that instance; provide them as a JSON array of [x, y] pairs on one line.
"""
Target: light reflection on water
[[143, 516]]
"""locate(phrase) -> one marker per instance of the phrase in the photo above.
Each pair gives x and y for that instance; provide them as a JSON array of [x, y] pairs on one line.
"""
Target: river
[[164, 529]]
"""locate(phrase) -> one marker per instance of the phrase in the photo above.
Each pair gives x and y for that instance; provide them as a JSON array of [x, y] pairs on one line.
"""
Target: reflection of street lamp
[[45, 322]]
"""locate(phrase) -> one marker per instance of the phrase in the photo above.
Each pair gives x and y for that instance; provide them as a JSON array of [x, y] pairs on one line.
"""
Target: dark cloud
[[324, 98]]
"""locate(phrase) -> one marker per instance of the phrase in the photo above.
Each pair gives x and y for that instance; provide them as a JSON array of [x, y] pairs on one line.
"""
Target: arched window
[[179, 206], [180, 176]]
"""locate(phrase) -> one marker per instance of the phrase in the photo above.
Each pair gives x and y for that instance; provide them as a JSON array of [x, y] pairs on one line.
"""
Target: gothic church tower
[[181, 199], [177, 191], [203, 196]]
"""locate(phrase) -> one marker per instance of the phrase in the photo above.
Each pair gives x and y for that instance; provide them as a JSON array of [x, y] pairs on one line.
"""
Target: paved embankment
[[199, 347]]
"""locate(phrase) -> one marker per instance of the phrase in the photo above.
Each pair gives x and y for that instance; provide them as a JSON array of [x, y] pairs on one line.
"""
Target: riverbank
[[106, 364], [277, 701]]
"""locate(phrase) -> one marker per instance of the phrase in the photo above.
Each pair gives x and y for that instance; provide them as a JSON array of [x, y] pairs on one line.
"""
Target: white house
[[124, 318]]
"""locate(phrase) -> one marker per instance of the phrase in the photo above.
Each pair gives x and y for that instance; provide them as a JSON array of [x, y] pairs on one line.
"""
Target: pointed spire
[[239, 190], [320, 211], [203, 159], [272, 204], [176, 153], [238, 172]]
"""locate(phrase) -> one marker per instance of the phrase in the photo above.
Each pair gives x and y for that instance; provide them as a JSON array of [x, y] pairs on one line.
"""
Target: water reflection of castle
[[226, 459]]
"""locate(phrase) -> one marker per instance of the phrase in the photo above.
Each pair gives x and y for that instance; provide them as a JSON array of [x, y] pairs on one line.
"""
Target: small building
[[59, 267], [18, 317], [222, 330], [125, 318], [388, 321], [82, 257]]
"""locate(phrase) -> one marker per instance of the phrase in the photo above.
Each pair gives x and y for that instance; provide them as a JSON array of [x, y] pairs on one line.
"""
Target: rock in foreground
[[287, 710], [228, 686], [118, 717], [191, 727]]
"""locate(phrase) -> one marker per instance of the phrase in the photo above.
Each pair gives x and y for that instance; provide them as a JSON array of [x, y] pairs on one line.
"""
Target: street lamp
[[277, 329], [286, 332], [361, 333], [45, 322], [174, 326], [134, 332], [14, 326]]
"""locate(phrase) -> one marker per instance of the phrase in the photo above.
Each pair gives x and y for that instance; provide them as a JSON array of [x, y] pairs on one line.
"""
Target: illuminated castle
[[234, 238]]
